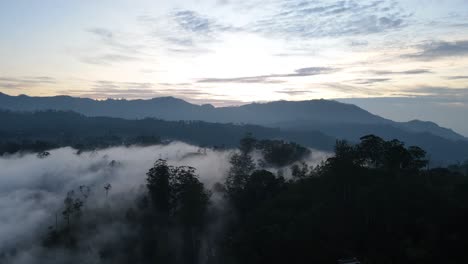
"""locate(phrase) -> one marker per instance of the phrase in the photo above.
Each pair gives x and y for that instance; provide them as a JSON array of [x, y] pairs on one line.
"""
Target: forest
[[376, 201], [42, 130]]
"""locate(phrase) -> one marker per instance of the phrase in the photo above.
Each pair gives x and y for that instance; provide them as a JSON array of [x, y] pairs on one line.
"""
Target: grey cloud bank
[[441, 49]]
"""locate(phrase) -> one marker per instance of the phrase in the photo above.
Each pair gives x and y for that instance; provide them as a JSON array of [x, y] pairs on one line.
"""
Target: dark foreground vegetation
[[376, 201]]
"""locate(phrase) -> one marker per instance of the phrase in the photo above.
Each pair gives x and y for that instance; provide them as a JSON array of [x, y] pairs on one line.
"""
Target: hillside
[[297, 115], [71, 129]]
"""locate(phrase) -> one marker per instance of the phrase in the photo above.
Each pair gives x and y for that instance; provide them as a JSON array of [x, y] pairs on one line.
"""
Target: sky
[[225, 52]]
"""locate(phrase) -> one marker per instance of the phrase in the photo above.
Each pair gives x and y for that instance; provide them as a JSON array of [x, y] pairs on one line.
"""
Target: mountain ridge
[[318, 114], [67, 128]]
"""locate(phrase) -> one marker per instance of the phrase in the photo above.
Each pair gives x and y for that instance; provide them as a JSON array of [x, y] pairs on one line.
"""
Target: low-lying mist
[[33, 188]]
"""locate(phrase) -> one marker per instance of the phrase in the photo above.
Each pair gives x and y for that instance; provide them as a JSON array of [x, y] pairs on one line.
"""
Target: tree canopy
[[375, 201]]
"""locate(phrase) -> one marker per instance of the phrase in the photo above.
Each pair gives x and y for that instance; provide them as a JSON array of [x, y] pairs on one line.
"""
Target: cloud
[[302, 72], [183, 92], [112, 48], [359, 43], [311, 71], [297, 53], [113, 93], [353, 89], [189, 50], [119, 42], [25, 82], [408, 72], [371, 80], [129, 85], [104, 89], [189, 31], [310, 19], [193, 22], [458, 77], [175, 84], [104, 34], [110, 89], [293, 92], [440, 92], [460, 25], [303, 19], [441, 49], [186, 30], [437, 93], [249, 79], [108, 59]]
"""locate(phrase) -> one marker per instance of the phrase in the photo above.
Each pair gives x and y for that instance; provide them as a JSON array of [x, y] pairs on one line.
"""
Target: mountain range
[[332, 118]]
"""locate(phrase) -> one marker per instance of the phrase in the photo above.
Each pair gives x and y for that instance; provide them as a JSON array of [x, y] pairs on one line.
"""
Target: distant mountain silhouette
[[431, 127], [339, 120], [170, 108], [291, 114]]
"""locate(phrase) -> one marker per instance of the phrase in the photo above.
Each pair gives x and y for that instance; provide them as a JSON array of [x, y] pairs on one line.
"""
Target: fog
[[32, 190]]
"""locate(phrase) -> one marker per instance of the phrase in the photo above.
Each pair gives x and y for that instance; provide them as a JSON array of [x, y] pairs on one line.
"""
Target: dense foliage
[[374, 200]]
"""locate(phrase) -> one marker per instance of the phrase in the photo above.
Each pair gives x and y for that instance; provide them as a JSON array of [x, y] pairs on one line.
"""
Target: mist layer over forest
[[109, 182]]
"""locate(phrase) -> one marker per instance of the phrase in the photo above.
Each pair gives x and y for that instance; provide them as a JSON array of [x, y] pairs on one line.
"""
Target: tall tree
[[158, 183]]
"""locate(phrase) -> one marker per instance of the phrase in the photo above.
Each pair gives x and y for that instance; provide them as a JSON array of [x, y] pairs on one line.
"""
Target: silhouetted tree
[[178, 197], [72, 206], [107, 187], [43, 155], [300, 171], [158, 186], [191, 200]]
